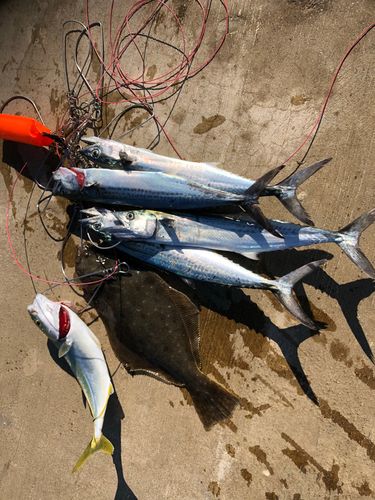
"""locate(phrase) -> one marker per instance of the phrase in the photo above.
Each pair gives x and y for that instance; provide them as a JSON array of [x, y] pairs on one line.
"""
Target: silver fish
[[206, 265], [82, 350], [240, 235], [154, 190], [112, 154]]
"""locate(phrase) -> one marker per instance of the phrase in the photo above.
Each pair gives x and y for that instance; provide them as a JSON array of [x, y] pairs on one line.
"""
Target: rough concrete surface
[[305, 428]]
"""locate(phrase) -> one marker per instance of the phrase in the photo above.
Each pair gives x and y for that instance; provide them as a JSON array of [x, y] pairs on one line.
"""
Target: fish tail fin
[[350, 235], [251, 195], [212, 402], [284, 292], [101, 444], [285, 191]]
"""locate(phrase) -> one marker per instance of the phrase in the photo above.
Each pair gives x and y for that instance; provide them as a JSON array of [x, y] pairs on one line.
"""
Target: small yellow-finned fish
[[83, 352]]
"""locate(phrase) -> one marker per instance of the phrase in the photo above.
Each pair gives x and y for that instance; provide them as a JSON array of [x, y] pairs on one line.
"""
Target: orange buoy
[[23, 129]]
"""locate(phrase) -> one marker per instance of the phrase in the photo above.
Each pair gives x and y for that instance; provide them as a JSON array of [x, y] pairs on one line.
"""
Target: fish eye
[[97, 225], [95, 153], [37, 322], [62, 191], [130, 215]]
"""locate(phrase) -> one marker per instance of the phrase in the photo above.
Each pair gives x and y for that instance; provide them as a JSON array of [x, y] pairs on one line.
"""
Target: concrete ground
[[305, 428]]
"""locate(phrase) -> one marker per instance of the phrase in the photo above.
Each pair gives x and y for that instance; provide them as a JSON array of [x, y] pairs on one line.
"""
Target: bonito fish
[[112, 154], [82, 351], [155, 190], [206, 265], [240, 235], [154, 330]]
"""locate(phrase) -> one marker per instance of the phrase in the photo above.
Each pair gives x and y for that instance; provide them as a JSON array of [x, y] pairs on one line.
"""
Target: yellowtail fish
[[82, 350]]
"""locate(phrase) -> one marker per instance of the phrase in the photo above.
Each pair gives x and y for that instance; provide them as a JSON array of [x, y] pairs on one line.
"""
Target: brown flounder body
[[154, 330]]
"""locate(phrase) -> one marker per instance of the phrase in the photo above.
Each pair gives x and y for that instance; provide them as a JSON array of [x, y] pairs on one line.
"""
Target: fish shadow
[[348, 295], [111, 427], [234, 304]]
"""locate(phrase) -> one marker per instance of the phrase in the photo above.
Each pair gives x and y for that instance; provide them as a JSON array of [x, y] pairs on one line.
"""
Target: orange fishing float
[[23, 129]]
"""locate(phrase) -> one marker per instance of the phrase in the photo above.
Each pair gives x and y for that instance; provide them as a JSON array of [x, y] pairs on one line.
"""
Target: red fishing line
[[24, 270], [330, 88]]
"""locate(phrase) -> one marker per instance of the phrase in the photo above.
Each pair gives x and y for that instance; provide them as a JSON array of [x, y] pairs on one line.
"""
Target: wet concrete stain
[[284, 483], [271, 495], [208, 124], [340, 352], [316, 6], [214, 488], [230, 450], [364, 489], [366, 375], [229, 425], [253, 410], [151, 72], [297, 100], [353, 433], [69, 257], [302, 459], [159, 19], [261, 457], [247, 476], [6, 172], [275, 391]]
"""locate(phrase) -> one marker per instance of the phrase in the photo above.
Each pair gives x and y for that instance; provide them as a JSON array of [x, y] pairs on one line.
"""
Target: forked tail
[[350, 235], [285, 191], [251, 196], [101, 444], [284, 292], [212, 402]]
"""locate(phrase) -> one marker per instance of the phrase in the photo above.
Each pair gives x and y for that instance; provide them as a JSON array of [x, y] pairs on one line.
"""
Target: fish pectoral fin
[[65, 348], [101, 444], [91, 184], [126, 158], [251, 255]]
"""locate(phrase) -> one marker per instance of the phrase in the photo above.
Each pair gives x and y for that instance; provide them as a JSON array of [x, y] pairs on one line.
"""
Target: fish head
[[124, 225], [53, 318], [104, 153], [68, 181]]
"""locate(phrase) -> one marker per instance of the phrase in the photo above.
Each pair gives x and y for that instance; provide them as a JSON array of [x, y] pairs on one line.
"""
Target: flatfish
[[154, 330]]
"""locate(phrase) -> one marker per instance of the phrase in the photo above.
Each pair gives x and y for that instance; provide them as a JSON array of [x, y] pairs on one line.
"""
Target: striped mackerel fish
[[112, 154], [207, 265], [240, 235], [155, 190]]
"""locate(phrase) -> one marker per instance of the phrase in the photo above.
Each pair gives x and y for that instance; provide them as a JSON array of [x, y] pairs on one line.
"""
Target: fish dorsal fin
[[251, 255], [135, 365], [189, 315]]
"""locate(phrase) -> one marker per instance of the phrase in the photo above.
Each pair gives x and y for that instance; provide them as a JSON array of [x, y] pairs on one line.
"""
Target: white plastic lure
[[83, 352]]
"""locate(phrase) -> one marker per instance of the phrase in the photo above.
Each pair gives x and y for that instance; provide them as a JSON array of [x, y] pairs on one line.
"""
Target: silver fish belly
[[145, 189]]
